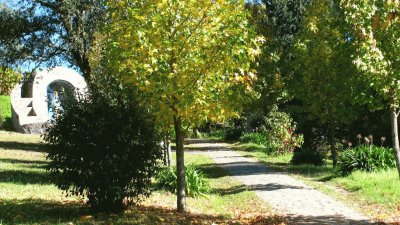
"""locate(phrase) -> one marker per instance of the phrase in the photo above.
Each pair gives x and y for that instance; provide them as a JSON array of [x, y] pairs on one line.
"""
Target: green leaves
[[188, 58], [8, 79], [377, 33]]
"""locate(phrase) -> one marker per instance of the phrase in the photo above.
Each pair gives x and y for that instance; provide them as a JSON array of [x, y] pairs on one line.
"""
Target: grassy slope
[[5, 106], [5, 110], [27, 195], [376, 194]]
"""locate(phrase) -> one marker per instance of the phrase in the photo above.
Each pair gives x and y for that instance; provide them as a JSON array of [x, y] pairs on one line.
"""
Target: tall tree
[[322, 84], [279, 21], [376, 33], [189, 59], [50, 32]]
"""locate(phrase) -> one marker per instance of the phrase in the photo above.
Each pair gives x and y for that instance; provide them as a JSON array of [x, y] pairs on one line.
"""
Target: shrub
[[8, 79], [233, 133], [308, 156], [366, 158], [104, 147], [196, 181], [280, 131], [257, 138]]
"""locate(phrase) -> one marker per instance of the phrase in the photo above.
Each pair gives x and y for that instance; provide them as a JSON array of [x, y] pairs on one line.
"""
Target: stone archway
[[31, 111], [57, 92]]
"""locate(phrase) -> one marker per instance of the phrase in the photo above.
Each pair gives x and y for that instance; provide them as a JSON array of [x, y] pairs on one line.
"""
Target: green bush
[[257, 138], [280, 132], [366, 158], [8, 79], [104, 147], [308, 156], [196, 181], [233, 133]]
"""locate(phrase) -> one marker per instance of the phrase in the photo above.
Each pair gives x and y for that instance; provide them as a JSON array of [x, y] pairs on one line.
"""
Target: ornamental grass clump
[[196, 181], [368, 158]]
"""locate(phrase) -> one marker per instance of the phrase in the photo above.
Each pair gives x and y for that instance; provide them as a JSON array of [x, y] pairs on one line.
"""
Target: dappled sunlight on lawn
[[28, 195]]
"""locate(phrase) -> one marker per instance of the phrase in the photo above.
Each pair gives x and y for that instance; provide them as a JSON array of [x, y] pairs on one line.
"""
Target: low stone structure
[[33, 102]]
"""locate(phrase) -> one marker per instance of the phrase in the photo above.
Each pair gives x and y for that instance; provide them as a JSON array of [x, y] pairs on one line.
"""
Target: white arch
[[30, 113]]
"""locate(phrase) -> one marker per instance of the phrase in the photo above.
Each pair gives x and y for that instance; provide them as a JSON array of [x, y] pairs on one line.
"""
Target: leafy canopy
[[323, 80], [189, 59], [377, 35], [49, 32]]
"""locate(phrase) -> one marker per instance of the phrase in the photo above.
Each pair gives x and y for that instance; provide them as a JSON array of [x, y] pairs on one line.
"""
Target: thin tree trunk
[[332, 143], [166, 150], [180, 165], [395, 137]]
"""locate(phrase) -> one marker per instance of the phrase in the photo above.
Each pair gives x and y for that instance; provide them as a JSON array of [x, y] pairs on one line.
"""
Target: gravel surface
[[287, 195]]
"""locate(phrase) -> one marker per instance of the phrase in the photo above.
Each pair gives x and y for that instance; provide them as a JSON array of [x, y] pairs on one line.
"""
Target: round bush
[[196, 181], [308, 156], [104, 147]]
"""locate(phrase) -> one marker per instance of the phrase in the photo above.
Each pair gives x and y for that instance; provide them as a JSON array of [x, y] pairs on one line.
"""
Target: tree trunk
[[166, 150], [180, 166], [332, 143], [169, 156], [395, 137]]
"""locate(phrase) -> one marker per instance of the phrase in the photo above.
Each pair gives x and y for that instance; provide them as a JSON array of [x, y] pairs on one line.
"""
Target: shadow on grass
[[258, 187], [29, 163], [13, 145], [201, 141], [212, 170], [39, 211], [204, 148], [36, 211], [25, 177]]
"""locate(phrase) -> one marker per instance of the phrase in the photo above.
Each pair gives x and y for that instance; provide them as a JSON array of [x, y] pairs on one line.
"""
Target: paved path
[[289, 196]]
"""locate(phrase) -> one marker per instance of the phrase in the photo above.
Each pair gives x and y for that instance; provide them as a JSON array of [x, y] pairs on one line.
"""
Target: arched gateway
[[33, 103]]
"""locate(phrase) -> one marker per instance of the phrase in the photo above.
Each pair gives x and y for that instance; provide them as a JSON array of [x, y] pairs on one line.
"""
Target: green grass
[[5, 110], [376, 194], [28, 195]]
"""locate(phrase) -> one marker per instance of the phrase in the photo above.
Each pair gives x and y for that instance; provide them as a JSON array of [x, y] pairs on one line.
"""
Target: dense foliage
[[105, 147], [376, 33], [8, 79], [196, 181], [281, 136], [62, 32], [366, 157], [308, 156], [191, 60]]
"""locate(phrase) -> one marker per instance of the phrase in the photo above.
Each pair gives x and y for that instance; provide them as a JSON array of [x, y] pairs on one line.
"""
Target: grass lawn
[[5, 110], [375, 194], [28, 195]]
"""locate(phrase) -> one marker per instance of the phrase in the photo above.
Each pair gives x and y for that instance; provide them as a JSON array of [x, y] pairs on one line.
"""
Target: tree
[[279, 21], [189, 59], [50, 32], [376, 35], [323, 73]]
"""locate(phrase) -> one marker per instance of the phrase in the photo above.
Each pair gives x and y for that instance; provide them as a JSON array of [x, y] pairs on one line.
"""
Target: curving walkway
[[289, 196]]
